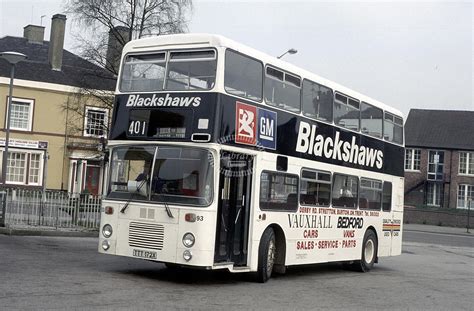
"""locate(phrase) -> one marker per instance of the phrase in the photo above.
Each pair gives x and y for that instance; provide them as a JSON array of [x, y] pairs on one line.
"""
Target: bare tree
[[105, 26]]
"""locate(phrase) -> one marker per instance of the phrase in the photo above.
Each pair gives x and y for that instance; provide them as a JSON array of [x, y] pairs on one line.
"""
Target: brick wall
[[447, 182], [452, 180], [412, 178], [448, 218]]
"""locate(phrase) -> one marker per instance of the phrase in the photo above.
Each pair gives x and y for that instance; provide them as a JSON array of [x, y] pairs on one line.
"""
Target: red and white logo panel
[[245, 123]]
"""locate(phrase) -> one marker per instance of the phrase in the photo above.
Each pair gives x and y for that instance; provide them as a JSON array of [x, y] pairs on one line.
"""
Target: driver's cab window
[[131, 170]]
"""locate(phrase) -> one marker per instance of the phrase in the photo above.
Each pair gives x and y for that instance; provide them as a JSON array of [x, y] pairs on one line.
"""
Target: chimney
[[56, 41], [34, 34], [118, 37]]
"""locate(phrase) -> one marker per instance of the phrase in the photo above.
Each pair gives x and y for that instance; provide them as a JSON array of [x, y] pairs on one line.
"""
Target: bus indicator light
[[190, 217], [109, 210]]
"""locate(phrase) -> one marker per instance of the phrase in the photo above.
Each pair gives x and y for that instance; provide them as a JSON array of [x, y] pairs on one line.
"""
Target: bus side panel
[[397, 221]]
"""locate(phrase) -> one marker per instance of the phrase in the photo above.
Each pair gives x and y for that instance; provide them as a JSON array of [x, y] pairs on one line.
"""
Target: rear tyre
[[369, 253], [266, 255]]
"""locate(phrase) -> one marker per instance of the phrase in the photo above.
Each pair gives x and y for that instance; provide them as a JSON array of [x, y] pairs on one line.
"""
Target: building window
[[25, 168], [35, 169], [433, 194], [466, 163], [95, 122], [278, 191], [412, 159], [16, 167], [465, 195], [435, 165], [21, 116]]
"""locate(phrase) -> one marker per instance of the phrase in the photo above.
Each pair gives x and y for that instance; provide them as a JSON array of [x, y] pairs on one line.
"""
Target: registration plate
[[144, 254]]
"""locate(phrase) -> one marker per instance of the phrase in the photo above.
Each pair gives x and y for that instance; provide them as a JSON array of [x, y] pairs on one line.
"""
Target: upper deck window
[[143, 73], [317, 101], [186, 70], [243, 76], [282, 89], [371, 120], [393, 128], [191, 70], [346, 111]]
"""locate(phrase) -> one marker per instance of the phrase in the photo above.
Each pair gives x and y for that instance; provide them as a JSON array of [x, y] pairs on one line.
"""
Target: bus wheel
[[369, 253], [266, 255]]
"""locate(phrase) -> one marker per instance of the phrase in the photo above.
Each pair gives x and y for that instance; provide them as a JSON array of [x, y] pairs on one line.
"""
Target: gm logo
[[267, 128]]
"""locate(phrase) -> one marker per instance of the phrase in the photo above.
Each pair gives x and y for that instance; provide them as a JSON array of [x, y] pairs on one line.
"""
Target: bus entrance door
[[233, 210]]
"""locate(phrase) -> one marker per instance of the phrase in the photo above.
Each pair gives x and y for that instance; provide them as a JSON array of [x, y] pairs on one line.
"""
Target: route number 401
[[137, 128]]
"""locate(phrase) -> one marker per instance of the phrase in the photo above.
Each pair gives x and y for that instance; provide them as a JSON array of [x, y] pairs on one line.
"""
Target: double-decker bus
[[223, 157]]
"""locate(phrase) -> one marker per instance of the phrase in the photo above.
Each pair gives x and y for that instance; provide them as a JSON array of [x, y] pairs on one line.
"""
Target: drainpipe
[[450, 178]]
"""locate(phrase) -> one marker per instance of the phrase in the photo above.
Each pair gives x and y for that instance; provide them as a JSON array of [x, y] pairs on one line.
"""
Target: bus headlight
[[107, 231], [188, 239], [105, 245], [187, 255]]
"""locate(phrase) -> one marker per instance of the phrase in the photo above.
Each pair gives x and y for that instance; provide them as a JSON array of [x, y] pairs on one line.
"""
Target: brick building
[[439, 158]]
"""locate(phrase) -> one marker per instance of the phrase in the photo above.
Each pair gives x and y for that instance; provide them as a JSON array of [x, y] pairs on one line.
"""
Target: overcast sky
[[407, 55]]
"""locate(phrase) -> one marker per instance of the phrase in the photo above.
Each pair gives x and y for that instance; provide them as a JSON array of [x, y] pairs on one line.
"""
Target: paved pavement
[[438, 229], [47, 231]]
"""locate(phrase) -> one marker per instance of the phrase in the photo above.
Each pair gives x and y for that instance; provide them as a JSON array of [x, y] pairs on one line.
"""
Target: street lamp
[[13, 58], [290, 51]]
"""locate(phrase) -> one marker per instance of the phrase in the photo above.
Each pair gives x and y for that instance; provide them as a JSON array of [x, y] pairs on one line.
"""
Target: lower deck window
[[278, 191], [345, 191], [387, 197], [370, 196], [315, 188]]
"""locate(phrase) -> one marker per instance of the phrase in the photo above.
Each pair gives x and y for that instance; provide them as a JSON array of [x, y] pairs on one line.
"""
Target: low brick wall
[[438, 217]]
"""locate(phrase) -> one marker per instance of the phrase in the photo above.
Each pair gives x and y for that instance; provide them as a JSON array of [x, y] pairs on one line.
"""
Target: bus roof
[[200, 40]]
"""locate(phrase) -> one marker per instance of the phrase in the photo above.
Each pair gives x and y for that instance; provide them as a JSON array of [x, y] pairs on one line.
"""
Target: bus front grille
[[146, 235]]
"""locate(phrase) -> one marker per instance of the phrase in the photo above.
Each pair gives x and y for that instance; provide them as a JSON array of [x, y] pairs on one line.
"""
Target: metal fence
[[57, 209]]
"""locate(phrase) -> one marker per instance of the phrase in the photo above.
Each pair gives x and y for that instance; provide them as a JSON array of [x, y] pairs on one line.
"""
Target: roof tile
[[75, 70], [441, 129]]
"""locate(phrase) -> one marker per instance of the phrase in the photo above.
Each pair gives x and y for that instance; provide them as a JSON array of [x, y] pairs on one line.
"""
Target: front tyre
[[266, 255], [369, 252]]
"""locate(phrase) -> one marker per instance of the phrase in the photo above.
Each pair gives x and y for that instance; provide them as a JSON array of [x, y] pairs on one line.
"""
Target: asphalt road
[[68, 273], [439, 238]]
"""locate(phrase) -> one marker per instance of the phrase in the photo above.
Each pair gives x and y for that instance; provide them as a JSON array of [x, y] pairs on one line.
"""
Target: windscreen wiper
[[132, 195], [168, 210]]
